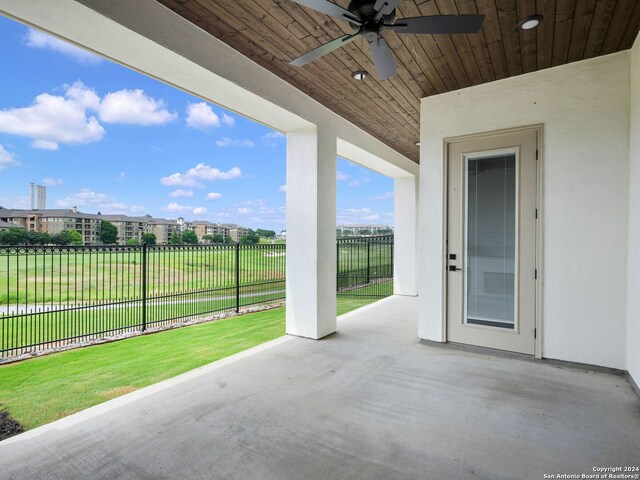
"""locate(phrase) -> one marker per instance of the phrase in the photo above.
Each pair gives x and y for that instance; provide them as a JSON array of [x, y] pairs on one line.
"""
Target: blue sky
[[104, 138]]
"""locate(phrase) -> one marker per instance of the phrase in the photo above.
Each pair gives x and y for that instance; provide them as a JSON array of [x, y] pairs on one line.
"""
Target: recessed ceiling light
[[359, 74], [532, 21]]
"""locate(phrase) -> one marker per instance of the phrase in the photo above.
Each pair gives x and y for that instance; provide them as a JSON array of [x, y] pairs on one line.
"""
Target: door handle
[[453, 268]]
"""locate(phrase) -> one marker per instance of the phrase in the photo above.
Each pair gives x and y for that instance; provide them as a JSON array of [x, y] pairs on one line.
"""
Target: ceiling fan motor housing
[[363, 9]]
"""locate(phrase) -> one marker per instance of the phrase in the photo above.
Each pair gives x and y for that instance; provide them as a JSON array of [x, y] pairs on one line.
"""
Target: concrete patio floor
[[369, 402]]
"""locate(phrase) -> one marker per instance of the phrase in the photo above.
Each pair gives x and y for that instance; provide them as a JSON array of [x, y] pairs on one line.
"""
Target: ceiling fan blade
[[382, 58], [331, 9], [438, 24], [323, 50], [384, 7]]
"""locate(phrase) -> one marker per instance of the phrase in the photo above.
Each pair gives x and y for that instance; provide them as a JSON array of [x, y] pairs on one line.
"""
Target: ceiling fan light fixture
[[360, 75], [532, 21]]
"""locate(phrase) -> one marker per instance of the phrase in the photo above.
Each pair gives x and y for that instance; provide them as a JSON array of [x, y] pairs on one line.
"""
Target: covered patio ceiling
[[274, 32]]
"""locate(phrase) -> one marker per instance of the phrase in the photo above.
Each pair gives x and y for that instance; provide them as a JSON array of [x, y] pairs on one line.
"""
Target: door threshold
[[523, 356]]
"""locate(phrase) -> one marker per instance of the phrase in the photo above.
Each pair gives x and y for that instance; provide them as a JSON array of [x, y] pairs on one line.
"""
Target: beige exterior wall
[[584, 107]]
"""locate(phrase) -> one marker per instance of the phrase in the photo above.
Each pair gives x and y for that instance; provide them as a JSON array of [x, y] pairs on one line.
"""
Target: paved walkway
[[370, 402]]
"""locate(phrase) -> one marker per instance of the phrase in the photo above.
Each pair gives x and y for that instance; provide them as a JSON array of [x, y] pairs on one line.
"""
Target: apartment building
[[54, 221], [128, 227], [236, 232], [362, 229], [162, 228], [5, 225]]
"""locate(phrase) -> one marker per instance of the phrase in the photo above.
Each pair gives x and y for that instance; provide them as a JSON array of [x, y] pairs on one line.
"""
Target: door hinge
[[535, 274], [535, 333], [536, 154], [536, 213]]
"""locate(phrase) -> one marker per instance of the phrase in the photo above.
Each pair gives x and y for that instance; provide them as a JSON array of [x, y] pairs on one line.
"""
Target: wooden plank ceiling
[[274, 32]]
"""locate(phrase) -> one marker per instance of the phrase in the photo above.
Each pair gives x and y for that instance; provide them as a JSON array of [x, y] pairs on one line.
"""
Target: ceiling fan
[[371, 17]]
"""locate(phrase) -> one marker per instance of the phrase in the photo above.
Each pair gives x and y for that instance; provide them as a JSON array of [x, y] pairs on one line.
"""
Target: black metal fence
[[52, 296], [365, 266]]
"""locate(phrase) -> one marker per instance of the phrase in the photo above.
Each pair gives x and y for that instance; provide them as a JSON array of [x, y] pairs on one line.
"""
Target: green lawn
[[51, 326], [41, 390], [90, 275]]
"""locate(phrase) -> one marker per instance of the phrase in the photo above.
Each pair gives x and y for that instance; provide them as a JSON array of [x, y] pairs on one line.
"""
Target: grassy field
[[94, 276], [56, 325], [41, 390], [50, 295]]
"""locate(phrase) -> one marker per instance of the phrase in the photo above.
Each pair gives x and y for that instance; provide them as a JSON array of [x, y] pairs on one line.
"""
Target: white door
[[491, 241]]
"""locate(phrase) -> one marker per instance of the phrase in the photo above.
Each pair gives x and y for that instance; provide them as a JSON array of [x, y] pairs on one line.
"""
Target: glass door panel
[[491, 206]]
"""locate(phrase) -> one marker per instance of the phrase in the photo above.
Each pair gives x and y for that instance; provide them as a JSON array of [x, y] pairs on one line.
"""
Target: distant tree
[[217, 238], [207, 238], [266, 233], [39, 238], [133, 241], [250, 238], [365, 232], [149, 238], [190, 237], [108, 233], [14, 236], [68, 237], [229, 240], [176, 239]]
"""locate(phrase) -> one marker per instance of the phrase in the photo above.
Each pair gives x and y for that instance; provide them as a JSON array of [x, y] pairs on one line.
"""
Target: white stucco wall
[[633, 308], [584, 107]]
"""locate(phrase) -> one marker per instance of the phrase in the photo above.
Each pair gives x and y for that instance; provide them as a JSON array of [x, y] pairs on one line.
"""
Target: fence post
[[368, 260], [237, 277], [337, 266], [144, 287]]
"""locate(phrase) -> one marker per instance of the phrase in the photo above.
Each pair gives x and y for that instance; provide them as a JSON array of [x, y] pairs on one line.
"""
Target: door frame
[[539, 130]]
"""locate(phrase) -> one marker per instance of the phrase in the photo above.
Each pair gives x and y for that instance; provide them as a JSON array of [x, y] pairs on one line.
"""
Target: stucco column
[[311, 233], [405, 261]]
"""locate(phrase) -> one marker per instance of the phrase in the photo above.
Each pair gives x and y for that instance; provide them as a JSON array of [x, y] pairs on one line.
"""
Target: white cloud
[[84, 96], [176, 207], [272, 139], [122, 176], [356, 215], [53, 119], [52, 182], [15, 202], [181, 193], [384, 196], [7, 158], [213, 196], [37, 39], [134, 107], [202, 117], [200, 211], [201, 172], [44, 145], [342, 176], [228, 120], [244, 211], [98, 201], [354, 183], [228, 142], [282, 188]]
